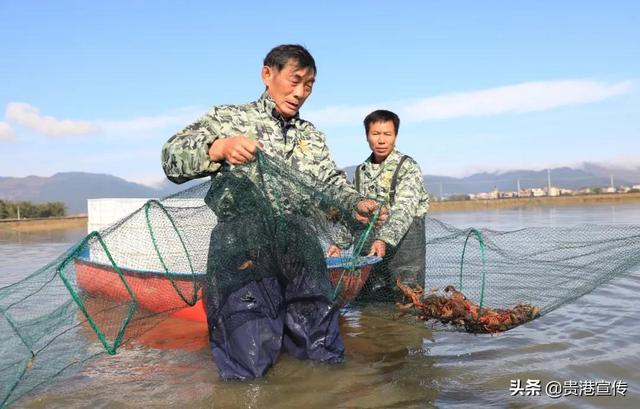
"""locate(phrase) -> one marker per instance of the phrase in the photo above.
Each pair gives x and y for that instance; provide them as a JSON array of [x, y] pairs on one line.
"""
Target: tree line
[[26, 209]]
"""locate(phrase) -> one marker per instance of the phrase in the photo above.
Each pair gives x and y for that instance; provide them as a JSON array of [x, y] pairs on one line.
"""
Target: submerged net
[[266, 220], [497, 280]]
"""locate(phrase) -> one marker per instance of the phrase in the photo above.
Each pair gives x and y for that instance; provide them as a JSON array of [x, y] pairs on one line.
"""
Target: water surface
[[388, 363]]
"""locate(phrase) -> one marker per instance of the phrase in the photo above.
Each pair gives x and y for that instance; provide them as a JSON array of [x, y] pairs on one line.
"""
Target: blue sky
[[491, 85]]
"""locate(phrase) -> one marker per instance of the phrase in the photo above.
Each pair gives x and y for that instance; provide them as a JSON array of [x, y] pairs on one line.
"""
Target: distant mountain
[[167, 187], [565, 177], [350, 171], [74, 188], [589, 175], [617, 173]]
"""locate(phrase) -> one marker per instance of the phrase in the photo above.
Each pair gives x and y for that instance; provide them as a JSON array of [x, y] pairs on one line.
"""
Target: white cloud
[[29, 116], [525, 97], [177, 118], [6, 132], [156, 181], [622, 162]]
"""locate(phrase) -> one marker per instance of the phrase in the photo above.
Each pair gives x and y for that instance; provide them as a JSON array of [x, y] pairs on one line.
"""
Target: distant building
[[538, 192], [484, 195], [559, 191], [508, 195]]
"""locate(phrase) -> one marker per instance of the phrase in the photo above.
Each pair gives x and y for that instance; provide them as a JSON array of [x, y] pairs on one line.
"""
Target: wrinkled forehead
[[292, 67]]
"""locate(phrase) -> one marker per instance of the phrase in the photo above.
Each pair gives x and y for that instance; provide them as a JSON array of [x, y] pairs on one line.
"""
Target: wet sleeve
[[334, 182], [408, 193], [185, 155], [335, 179]]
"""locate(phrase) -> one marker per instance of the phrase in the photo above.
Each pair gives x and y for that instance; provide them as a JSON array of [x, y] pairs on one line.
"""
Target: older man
[[250, 324]]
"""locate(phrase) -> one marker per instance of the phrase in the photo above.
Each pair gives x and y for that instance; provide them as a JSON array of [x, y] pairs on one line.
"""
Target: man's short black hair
[[381, 115], [279, 56]]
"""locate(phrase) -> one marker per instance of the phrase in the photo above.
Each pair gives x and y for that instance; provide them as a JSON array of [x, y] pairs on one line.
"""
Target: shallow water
[[22, 253], [388, 363]]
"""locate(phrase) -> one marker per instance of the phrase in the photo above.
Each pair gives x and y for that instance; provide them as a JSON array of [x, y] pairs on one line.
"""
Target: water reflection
[[11, 236], [513, 219]]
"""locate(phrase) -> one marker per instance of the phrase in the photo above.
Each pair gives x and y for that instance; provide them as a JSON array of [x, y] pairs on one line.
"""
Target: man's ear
[[267, 75]]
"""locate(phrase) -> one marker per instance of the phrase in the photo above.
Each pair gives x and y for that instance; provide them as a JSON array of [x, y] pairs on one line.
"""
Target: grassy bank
[[45, 224], [523, 202]]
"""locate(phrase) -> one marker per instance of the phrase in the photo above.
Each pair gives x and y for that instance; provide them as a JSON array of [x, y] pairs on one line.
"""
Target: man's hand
[[366, 208], [236, 150], [378, 248], [333, 251]]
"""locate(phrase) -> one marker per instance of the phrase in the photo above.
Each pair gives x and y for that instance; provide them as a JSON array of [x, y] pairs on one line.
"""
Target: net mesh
[[266, 220]]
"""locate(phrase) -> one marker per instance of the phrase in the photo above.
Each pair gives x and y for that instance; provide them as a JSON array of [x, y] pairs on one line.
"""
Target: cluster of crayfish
[[452, 307]]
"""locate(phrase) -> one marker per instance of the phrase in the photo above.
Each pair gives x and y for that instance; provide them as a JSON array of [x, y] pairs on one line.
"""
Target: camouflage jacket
[[295, 141], [411, 198]]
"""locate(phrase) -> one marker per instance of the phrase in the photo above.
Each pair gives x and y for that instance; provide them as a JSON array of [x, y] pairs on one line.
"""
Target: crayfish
[[455, 308]]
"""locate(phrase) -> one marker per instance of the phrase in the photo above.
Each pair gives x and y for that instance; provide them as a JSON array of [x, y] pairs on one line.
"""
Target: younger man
[[390, 177]]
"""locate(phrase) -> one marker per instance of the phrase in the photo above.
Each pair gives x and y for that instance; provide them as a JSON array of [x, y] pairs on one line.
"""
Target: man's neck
[[378, 159]]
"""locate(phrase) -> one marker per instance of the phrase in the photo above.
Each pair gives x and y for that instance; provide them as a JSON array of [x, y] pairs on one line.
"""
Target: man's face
[[382, 139], [289, 87]]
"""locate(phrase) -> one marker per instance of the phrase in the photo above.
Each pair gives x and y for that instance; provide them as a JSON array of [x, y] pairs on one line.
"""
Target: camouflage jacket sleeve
[[185, 155], [336, 184], [407, 200], [335, 179]]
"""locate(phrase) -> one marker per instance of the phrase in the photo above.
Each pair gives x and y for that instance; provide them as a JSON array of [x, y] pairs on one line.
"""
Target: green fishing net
[[264, 219]]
